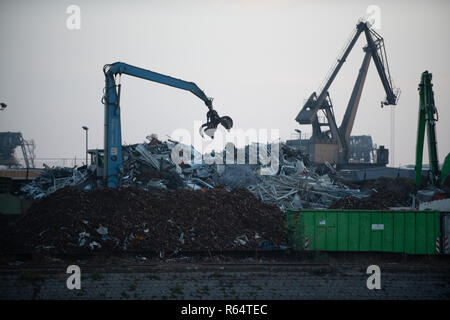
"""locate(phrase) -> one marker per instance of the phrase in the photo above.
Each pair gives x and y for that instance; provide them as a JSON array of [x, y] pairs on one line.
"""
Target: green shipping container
[[412, 232], [10, 204]]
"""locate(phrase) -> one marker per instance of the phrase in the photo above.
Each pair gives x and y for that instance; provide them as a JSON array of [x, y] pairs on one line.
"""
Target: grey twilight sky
[[258, 59]]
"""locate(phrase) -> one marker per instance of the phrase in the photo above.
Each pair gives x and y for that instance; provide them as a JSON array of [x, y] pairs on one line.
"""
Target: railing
[[302, 136], [55, 162]]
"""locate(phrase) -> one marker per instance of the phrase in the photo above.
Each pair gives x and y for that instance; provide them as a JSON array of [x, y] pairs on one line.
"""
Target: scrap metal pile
[[53, 179], [134, 220], [302, 191], [295, 183], [299, 184], [168, 207]]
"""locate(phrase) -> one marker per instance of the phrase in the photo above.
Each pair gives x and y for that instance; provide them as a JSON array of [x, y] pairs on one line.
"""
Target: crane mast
[[427, 122], [333, 145]]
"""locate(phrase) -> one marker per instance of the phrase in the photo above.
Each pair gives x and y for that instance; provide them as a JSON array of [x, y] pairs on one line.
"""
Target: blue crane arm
[[123, 68], [113, 165]]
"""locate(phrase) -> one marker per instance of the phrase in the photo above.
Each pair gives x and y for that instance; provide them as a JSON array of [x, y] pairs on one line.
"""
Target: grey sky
[[258, 59]]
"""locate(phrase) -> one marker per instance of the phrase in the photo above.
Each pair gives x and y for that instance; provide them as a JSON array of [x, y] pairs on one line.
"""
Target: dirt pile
[[386, 193], [131, 219]]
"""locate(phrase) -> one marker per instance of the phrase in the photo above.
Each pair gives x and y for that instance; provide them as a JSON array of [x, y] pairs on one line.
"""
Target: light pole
[[86, 129]]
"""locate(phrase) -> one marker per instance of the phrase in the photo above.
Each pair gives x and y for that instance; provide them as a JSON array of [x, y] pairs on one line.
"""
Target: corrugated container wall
[[412, 232]]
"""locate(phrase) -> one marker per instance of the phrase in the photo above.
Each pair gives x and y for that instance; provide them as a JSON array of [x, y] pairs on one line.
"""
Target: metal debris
[[295, 183], [307, 189], [102, 230]]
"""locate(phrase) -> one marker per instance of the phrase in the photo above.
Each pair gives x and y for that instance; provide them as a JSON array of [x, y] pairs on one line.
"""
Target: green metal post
[[427, 110], [420, 135]]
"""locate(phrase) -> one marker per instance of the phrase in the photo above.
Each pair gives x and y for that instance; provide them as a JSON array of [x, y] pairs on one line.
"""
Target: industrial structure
[[333, 144], [111, 100], [248, 215], [9, 141], [428, 116]]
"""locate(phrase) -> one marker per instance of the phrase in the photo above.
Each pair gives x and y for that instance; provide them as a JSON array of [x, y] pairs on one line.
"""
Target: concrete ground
[[230, 281]]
